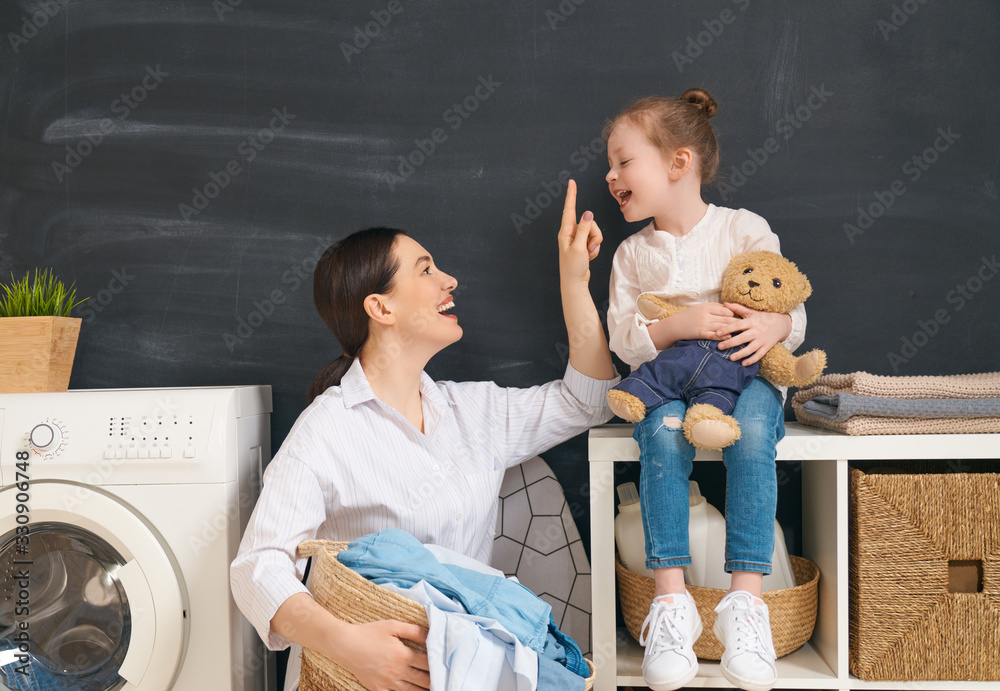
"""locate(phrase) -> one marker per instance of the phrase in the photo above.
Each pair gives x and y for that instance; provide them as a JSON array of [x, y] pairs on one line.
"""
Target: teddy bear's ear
[[805, 288]]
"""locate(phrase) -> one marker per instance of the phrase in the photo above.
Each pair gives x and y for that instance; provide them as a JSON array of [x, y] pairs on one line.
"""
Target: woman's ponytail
[[350, 270], [329, 376]]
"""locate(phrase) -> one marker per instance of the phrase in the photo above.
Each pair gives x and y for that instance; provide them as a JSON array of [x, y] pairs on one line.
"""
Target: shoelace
[[664, 617], [753, 640]]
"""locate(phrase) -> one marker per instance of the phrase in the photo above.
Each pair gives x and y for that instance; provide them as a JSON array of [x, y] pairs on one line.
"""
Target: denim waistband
[[711, 346]]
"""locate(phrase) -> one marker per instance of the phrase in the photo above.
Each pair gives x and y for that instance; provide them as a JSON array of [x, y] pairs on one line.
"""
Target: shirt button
[[435, 467], [458, 516]]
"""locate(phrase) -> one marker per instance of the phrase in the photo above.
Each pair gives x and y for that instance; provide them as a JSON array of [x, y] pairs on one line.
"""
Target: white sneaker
[[669, 633], [743, 627]]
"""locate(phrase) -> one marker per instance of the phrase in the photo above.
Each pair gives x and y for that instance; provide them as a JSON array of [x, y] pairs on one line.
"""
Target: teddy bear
[[697, 372]]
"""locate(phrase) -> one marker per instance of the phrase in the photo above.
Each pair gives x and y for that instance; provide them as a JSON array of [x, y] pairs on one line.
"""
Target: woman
[[383, 446]]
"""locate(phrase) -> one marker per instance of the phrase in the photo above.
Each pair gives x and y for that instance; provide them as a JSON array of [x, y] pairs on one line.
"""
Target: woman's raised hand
[[380, 661], [579, 243]]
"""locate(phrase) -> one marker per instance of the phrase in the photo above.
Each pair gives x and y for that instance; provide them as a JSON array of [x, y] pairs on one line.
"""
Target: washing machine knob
[[45, 437]]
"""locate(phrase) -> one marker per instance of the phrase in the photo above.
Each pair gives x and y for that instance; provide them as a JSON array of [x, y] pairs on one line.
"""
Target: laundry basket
[[924, 575], [792, 611], [356, 600]]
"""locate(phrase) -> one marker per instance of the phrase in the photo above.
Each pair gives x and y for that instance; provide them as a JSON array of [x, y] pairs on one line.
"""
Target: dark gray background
[[166, 290]]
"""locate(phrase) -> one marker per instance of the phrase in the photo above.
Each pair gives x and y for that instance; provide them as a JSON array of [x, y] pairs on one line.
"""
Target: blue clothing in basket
[[396, 557]]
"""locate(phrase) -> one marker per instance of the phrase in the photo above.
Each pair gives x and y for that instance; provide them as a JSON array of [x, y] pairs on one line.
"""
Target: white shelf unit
[[823, 662]]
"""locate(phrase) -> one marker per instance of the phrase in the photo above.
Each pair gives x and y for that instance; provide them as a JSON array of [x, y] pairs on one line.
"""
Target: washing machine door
[[91, 589]]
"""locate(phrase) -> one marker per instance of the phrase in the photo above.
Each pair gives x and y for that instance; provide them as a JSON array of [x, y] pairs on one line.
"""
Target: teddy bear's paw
[[652, 306], [713, 434], [707, 427], [626, 406], [809, 367]]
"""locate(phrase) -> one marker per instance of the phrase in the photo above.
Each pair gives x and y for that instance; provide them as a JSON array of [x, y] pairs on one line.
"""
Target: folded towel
[[840, 407], [984, 385], [870, 424]]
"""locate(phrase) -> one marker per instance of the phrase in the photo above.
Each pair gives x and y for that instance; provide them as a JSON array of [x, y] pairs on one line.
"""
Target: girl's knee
[[758, 432], [663, 429], [757, 443]]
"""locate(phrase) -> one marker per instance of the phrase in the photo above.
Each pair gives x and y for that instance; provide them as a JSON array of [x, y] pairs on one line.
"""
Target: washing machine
[[120, 512]]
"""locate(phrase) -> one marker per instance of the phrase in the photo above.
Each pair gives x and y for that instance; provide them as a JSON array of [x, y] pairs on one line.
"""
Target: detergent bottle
[[781, 575], [707, 537], [707, 542], [629, 537]]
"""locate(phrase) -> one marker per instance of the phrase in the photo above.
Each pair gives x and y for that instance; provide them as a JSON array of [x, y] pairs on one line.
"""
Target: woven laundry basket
[[792, 611], [915, 540], [356, 600]]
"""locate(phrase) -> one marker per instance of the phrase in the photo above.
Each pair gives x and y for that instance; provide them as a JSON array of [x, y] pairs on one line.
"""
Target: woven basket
[[909, 618], [792, 611], [356, 600]]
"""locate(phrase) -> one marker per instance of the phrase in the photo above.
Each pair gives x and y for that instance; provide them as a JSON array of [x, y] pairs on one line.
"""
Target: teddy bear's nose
[[753, 284]]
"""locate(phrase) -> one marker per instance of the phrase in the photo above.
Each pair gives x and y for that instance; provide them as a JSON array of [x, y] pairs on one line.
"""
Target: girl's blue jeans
[[666, 457]]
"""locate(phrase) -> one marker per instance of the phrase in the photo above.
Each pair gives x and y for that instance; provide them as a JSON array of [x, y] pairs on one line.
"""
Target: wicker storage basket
[[792, 611], [356, 600], [907, 532]]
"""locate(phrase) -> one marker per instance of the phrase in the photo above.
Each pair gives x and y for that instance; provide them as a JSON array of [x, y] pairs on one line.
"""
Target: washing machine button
[[120, 453], [143, 452], [165, 452], [189, 452], [133, 453], [154, 453], [109, 453]]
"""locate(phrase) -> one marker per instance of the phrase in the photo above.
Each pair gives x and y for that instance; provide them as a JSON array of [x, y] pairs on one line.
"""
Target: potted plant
[[37, 335]]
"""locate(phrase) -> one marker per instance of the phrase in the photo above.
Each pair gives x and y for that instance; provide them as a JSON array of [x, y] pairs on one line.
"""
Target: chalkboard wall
[[187, 162]]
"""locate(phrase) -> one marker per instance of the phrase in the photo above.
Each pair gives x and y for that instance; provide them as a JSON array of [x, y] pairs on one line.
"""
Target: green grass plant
[[44, 295]]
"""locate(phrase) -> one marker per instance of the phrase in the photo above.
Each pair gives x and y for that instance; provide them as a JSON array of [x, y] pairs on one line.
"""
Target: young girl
[[661, 152]]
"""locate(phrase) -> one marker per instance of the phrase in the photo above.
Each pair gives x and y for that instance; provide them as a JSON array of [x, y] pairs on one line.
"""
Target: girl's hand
[[758, 331], [579, 243], [380, 661], [703, 320]]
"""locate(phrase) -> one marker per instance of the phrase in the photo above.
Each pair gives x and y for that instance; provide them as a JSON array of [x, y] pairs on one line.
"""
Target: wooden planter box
[[36, 353]]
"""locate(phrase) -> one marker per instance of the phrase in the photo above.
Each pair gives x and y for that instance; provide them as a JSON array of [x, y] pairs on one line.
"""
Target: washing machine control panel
[[46, 437], [169, 433], [134, 428], [133, 436]]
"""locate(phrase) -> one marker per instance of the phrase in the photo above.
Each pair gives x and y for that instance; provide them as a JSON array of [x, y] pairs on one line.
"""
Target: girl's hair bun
[[700, 98]]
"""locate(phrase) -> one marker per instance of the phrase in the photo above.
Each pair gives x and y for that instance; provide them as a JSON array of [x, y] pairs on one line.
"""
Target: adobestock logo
[[958, 297], [299, 273], [914, 167], [696, 44], [120, 280], [785, 127], [47, 9], [222, 178], [552, 190], [362, 37], [900, 15], [454, 116], [123, 106], [564, 10]]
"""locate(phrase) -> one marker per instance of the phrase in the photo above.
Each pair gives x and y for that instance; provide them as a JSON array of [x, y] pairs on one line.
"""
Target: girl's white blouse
[[686, 270]]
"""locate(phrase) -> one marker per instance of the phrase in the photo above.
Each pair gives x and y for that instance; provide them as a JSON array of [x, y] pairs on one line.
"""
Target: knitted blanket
[[863, 384], [869, 424], [986, 385], [841, 406]]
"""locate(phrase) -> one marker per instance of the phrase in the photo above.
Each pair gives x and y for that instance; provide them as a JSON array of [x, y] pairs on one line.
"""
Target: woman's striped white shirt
[[352, 465]]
